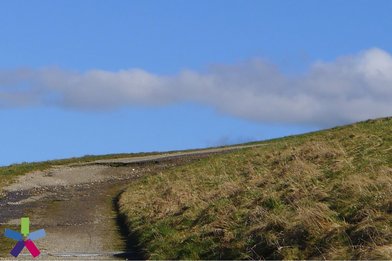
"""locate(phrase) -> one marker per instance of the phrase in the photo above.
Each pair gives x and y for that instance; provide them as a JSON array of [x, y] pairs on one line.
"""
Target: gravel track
[[76, 205]]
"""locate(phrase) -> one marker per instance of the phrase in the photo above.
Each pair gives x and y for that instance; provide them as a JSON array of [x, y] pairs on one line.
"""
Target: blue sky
[[97, 77]]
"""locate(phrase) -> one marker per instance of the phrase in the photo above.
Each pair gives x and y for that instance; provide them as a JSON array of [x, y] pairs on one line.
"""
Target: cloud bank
[[349, 89]]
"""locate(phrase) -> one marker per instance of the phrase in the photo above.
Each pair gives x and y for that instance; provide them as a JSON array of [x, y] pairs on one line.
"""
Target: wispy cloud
[[348, 89]]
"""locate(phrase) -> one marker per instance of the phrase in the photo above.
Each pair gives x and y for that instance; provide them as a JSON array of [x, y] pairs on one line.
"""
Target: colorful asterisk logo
[[25, 238]]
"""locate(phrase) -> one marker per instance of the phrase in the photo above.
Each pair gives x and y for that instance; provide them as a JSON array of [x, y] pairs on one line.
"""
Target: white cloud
[[349, 89]]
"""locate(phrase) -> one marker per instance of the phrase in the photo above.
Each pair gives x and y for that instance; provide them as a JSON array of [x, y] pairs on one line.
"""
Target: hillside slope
[[321, 195]]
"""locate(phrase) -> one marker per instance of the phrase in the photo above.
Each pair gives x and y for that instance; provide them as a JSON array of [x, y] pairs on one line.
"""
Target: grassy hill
[[326, 194]]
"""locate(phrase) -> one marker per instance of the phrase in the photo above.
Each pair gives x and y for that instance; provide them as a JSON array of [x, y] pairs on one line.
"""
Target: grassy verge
[[322, 195]]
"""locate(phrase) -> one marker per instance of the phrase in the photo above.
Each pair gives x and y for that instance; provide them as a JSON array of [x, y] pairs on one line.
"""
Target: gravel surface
[[76, 205]]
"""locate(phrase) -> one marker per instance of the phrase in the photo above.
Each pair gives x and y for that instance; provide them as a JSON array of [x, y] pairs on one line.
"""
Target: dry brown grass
[[321, 195]]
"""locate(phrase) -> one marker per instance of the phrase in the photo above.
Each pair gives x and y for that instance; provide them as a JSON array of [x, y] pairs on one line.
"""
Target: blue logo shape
[[28, 243]]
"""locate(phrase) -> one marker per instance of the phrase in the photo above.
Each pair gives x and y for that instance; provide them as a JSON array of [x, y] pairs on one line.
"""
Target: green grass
[[326, 195]]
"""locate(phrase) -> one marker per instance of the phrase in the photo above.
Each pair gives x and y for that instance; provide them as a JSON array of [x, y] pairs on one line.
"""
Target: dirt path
[[76, 205], [79, 216]]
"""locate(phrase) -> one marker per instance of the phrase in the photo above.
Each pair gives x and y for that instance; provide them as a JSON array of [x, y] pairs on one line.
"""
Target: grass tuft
[[321, 195]]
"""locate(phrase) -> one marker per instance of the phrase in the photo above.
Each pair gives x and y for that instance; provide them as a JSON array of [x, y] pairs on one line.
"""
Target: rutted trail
[[78, 215], [75, 204]]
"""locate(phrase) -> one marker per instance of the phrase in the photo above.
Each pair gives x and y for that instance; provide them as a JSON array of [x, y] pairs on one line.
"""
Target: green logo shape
[[25, 226]]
